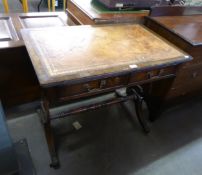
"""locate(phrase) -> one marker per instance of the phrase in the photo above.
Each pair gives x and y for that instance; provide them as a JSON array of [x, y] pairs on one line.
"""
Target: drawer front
[[86, 89], [75, 91], [152, 75]]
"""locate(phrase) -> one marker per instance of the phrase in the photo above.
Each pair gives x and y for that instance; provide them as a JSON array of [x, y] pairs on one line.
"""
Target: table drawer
[[152, 75], [94, 87], [86, 89]]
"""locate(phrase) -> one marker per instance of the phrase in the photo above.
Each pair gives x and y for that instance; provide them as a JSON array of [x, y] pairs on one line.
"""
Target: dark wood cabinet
[[18, 82], [88, 12], [186, 33]]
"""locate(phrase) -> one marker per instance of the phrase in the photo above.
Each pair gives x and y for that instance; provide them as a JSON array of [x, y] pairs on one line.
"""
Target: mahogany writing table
[[92, 12], [84, 61], [186, 33]]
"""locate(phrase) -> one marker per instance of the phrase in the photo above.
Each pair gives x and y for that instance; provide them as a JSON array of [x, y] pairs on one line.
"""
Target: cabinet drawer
[[196, 61], [191, 75], [86, 89], [152, 75], [187, 82]]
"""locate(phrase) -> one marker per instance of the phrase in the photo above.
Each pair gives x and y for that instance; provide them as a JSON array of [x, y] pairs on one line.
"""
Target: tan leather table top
[[67, 53]]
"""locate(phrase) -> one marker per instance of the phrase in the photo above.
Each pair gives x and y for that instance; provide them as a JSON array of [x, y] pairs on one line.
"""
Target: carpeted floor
[[110, 143]]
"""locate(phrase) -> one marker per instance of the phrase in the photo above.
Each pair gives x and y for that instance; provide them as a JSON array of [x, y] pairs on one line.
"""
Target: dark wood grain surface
[[83, 12], [187, 27], [11, 25], [175, 11], [18, 82], [185, 32]]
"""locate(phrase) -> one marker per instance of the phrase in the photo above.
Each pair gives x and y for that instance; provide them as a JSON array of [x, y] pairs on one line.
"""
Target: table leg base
[[132, 93], [139, 99], [44, 113], [55, 162]]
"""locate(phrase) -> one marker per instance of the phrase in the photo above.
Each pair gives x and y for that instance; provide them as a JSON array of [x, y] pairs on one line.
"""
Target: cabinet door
[[43, 20], [7, 30], [18, 82]]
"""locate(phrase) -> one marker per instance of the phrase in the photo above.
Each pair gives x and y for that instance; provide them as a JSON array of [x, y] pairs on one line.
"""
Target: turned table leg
[[155, 97], [49, 133]]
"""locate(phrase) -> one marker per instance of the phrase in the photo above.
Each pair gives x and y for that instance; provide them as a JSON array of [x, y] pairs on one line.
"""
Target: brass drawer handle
[[152, 76], [89, 89], [194, 75], [161, 72]]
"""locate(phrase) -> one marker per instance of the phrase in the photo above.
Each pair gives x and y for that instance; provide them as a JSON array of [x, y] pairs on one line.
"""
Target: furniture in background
[[88, 12], [185, 31], [18, 82], [103, 59], [193, 2], [25, 5], [175, 11], [51, 5], [6, 7]]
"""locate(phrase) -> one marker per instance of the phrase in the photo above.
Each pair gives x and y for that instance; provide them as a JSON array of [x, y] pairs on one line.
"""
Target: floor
[[111, 143]]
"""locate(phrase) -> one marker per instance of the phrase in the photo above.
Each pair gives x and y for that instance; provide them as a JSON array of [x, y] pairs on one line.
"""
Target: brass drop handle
[[194, 75], [161, 72], [89, 89], [152, 76]]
